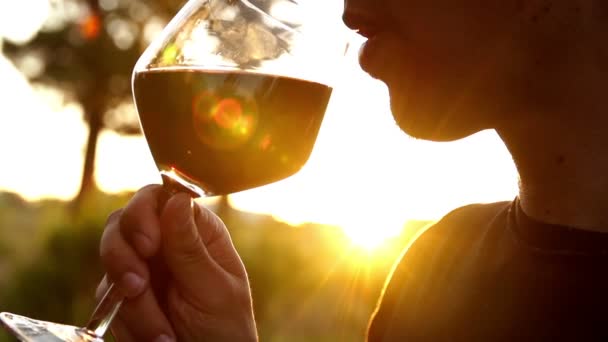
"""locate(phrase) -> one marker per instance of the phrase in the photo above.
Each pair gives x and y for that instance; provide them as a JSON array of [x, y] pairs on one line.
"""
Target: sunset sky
[[362, 167]]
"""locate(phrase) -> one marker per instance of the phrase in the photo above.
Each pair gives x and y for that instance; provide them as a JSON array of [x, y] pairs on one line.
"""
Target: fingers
[[122, 264], [184, 251], [144, 318], [139, 221], [131, 236], [217, 239], [191, 242], [125, 330]]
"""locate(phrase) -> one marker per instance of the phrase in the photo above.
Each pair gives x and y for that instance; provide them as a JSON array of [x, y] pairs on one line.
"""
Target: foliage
[[308, 283], [88, 51]]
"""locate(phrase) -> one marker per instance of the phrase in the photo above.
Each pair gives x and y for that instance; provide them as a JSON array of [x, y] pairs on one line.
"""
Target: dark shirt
[[489, 273]]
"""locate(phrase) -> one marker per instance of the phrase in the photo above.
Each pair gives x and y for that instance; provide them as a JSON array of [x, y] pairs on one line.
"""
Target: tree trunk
[[92, 104], [87, 184]]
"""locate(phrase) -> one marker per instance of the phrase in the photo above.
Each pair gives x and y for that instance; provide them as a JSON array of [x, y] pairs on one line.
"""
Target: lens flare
[[224, 123], [201, 104], [228, 113]]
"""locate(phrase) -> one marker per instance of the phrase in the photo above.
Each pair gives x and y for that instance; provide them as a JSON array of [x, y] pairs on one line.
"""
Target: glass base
[[30, 330]]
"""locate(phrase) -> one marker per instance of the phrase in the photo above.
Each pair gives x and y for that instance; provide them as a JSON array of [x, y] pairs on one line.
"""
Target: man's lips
[[382, 55], [363, 21], [367, 52], [368, 31], [382, 39]]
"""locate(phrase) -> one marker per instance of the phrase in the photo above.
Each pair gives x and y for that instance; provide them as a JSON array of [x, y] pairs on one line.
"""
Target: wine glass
[[230, 96]]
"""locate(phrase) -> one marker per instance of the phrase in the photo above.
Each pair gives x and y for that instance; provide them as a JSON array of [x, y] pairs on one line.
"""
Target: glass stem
[[105, 311]]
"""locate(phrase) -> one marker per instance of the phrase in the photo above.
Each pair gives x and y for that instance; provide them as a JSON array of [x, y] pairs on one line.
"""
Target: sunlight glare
[[124, 163], [369, 233], [20, 20], [42, 147]]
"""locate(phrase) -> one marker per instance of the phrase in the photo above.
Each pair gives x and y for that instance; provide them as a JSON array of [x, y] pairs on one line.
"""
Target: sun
[[365, 240], [370, 233]]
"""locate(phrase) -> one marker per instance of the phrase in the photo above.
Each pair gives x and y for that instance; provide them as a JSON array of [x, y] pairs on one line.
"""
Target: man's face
[[454, 67]]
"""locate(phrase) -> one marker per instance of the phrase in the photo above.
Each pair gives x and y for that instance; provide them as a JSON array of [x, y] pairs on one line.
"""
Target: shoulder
[[472, 216], [431, 259], [460, 227]]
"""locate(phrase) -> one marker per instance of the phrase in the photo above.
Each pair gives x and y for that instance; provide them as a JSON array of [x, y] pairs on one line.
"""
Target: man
[[533, 269]]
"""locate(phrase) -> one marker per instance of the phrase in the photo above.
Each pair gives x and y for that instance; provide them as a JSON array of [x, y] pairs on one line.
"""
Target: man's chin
[[427, 123]]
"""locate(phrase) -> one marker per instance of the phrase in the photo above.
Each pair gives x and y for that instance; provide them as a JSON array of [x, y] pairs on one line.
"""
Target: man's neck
[[563, 171]]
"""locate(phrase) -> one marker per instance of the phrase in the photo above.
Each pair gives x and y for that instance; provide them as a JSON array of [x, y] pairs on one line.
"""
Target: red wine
[[228, 131]]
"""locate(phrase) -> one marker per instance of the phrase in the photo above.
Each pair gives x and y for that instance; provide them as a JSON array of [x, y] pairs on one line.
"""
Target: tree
[[87, 49]]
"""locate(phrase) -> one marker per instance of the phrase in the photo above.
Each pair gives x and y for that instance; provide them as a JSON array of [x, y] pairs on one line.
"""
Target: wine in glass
[[230, 97]]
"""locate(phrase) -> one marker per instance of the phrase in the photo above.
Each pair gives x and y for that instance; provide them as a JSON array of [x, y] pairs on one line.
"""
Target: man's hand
[[204, 294]]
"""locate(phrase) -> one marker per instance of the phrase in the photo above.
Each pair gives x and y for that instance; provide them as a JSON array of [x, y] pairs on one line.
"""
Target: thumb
[[184, 251]]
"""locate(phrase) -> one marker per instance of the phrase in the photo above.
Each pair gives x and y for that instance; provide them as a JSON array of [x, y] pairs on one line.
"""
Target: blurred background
[[318, 246]]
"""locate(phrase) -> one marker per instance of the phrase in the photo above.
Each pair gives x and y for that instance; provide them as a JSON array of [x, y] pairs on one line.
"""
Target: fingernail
[[164, 338], [131, 284], [142, 244]]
